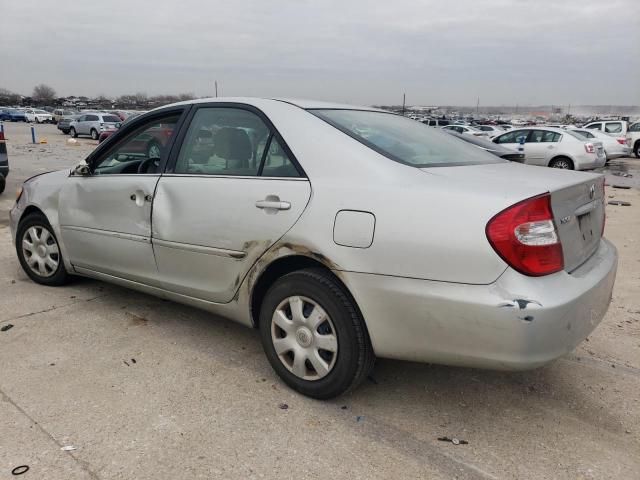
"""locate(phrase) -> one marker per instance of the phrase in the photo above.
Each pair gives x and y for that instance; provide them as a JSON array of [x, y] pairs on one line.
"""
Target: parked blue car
[[13, 115]]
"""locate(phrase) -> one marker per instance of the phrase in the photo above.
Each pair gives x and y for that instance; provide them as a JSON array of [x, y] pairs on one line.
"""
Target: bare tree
[[43, 93]]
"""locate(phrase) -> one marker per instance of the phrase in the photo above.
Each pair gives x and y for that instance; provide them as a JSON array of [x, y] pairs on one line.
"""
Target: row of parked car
[[555, 145]]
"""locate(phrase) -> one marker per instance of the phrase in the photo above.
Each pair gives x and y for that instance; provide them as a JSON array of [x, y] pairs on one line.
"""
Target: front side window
[[234, 142], [595, 126], [550, 137], [404, 140], [141, 151], [635, 127], [512, 137], [92, 118], [614, 127]]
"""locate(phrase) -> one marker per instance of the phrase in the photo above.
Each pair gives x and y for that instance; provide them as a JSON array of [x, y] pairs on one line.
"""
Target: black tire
[[94, 134], [37, 120], [354, 356], [65, 132], [55, 278], [3, 183], [636, 149], [73, 133], [562, 162]]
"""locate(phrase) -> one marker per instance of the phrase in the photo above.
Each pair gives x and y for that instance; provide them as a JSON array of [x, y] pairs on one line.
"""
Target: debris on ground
[[19, 470], [283, 406], [343, 407], [619, 202], [133, 360], [372, 379], [68, 448], [622, 174], [6, 327], [126, 363], [359, 418], [622, 187], [453, 440]]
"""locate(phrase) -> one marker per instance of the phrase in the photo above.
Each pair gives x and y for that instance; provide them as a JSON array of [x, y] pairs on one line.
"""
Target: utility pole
[[478, 107], [216, 84], [403, 100]]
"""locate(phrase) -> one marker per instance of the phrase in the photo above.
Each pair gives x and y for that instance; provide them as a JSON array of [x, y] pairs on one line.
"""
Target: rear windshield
[[404, 140], [110, 119]]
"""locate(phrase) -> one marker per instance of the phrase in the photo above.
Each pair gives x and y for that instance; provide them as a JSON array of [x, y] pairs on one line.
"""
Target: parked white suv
[[38, 116], [94, 124], [555, 148], [633, 138], [612, 127]]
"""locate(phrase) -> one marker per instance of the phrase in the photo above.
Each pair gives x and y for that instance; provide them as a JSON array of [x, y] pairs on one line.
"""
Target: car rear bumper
[[516, 323]]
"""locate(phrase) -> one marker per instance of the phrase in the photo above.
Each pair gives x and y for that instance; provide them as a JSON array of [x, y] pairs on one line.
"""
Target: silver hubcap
[[40, 251], [304, 338]]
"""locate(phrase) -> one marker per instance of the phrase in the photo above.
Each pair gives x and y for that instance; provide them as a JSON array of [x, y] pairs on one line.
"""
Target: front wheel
[[636, 150], [313, 334], [38, 251], [37, 120]]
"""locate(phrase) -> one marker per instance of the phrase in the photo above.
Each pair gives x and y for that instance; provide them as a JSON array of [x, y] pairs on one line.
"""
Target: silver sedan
[[341, 233]]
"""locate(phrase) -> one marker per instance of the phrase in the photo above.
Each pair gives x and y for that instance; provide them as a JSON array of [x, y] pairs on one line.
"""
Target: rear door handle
[[273, 204]]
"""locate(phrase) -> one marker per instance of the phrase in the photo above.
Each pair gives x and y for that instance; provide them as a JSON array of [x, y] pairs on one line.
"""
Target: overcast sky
[[439, 52]]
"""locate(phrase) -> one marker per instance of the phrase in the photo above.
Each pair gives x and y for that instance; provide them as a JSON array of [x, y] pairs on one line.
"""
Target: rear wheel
[[73, 132], [39, 252], [562, 162], [94, 134], [313, 335], [3, 183], [37, 120], [636, 149]]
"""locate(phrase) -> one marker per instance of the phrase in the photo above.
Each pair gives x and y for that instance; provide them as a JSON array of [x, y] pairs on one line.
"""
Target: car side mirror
[[82, 170]]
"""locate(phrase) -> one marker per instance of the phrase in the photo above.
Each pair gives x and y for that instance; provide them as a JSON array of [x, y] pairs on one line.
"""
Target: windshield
[[404, 140]]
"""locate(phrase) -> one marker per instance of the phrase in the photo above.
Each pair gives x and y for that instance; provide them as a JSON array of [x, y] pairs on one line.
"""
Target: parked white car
[[38, 116], [633, 138], [466, 130], [614, 147], [613, 127], [552, 147]]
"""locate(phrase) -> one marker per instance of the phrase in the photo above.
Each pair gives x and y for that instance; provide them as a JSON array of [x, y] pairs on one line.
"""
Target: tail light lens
[[1, 134], [525, 236], [589, 148], [622, 141]]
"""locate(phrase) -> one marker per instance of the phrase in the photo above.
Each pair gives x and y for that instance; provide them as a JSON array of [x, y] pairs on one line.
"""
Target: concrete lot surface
[[147, 389]]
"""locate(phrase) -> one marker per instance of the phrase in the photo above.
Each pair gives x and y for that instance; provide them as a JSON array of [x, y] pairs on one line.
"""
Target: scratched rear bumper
[[516, 323]]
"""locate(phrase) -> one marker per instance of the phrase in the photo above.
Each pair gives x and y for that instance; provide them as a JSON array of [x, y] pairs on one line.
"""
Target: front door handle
[[140, 197]]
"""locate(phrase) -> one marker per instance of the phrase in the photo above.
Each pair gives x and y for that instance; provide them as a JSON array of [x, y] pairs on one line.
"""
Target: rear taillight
[[1, 134], [622, 141], [525, 236], [589, 148]]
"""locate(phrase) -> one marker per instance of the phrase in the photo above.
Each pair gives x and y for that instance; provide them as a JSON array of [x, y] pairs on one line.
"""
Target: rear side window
[[404, 140], [234, 142], [584, 133], [613, 127], [595, 126], [635, 127]]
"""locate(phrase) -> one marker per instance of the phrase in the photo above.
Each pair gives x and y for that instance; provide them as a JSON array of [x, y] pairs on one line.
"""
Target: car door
[[535, 148], [105, 217], [512, 140], [230, 192]]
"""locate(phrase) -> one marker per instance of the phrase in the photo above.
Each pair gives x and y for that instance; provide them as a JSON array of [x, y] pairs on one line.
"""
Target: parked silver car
[[552, 147], [93, 124], [342, 234]]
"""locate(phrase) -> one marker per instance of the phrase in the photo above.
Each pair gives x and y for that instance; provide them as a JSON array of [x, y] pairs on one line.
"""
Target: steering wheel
[[146, 163]]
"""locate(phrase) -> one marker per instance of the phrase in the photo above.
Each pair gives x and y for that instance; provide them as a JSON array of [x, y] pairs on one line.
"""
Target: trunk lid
[[577, 199]]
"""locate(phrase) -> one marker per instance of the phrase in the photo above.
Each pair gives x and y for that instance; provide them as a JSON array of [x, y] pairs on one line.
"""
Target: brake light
[[1, 133], [525, 236], [589, 148], [622, 141]]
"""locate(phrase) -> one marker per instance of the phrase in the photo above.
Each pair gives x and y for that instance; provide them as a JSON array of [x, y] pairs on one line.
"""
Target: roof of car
[[302, 103]]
